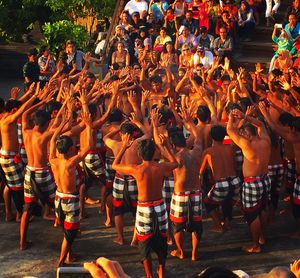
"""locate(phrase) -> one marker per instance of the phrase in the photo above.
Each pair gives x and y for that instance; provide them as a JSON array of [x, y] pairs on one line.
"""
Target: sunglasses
[[185, 49]]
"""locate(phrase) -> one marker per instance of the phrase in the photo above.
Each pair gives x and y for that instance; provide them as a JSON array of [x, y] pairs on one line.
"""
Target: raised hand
[[258, 68], [186, 116], [14, 92], [132, 98], [133, 118], [86, 118], [126, 141], [295, 268], [238, 114], [285, 85], [155, 117], [145, 96]]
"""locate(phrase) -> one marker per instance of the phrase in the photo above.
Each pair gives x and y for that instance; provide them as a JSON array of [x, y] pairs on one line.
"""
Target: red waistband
[[150, 203], [252, 179]]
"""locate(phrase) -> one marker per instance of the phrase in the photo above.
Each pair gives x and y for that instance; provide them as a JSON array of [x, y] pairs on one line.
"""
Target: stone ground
[[96, 240]]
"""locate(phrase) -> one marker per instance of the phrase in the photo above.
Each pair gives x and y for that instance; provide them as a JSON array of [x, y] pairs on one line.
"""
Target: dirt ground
[[96, 240]]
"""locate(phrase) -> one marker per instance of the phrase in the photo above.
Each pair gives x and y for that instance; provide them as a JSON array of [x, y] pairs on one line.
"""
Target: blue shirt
[[293, 32], [157, 12]]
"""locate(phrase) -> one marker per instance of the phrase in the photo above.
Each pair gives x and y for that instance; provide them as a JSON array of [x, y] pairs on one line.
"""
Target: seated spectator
[[223, 45], [246, 22], [169, 55], [125, 22], [283, 61], [203, 57], [293, 9], [191, 23], [186, 57], [158, 8], [161, 40], [226, 22], [121, 56], [232, 9], [136, 6], [204, 39], [293, 27], [147, 54], [185, 37]]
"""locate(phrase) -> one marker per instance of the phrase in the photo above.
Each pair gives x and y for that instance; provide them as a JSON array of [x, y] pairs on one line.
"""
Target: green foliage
[[57, 33]]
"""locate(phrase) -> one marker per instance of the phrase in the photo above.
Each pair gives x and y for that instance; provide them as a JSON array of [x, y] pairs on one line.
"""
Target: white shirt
[[135, 6], [206, 61]]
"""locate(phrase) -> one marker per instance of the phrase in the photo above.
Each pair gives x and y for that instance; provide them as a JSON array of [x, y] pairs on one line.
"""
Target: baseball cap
[[136, 13], [147, 41], [201, 48]]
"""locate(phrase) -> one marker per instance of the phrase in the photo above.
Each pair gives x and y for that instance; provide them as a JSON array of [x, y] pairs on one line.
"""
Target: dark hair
[[155, 79], [203, 113], [146, 149], [11, 104], [163, 29], [218, 133], [231, 106], [42, 118], [225, 77], [43, 49], [277, 72], [63, 144], [53, 105], [198, 79], [114, 78], [217, 272], [286, 118], [251, 128], [115, 115], [296, 123], [165, 47], [127, 128], [177, 139], [92, 109], [245, 101], [115, 66], [166, 115]]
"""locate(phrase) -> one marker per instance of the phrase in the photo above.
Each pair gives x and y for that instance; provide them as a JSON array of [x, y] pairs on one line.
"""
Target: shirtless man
[[114, 120], [221, 160], [124, 186], [64, 166], [151, 207], [292, 135], [39, 182], [9, 154], [252, 138], [186, 199]]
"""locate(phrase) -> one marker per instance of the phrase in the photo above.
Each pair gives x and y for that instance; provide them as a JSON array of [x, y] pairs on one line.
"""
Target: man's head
[[156, 82], [127, 128], [53, 107], [166, 116], [177, 138], [189, 15], [286, 119], [115, 115], [292, 19], [148, 44], [201, 51], [42, 118], [296, 4], [32, 54], [63, 144], [12, 105], [248, 131], [296, 124], [225, 16], [146, 149], [93, 109], [70, 47], [223, 33], [203, 114], [203, 31], [218, 133]]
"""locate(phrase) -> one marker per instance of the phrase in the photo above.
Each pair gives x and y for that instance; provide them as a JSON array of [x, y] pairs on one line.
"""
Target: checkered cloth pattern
[[254, 189], [290, 173], [221, 189], [44, 181], [109, 171], [239, 159], [296, 192], [118, 189], [180, 203], [13, 168], [94, 163], [149, 216], [167, 190], [79, 176], [275, 173], [69, 204], [22, 150]]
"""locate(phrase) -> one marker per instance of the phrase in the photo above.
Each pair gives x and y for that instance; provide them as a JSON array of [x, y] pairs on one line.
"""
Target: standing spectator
[[246, 22], [46, 64], [158, 8], [191, 23], [75, 57], [136, 6], [31, 70], [271, 11]]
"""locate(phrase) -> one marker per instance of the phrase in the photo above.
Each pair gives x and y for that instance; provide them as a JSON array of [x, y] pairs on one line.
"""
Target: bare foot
[[90, 201], [287, 198], [18, 217], [134, 243], [170, 241], [178, 254], [71, 258], [195, 257], [49, 217], [119, 241], [56, 223], [262, 240], [109, 224], [25, 245], [251, 249]]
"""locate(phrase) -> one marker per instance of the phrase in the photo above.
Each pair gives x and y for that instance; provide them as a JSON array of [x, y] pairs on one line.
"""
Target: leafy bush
[[57, 33]]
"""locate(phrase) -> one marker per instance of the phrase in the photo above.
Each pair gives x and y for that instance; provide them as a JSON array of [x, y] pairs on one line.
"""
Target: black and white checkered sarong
[[94, 163], [167, 190], [109, 171]]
